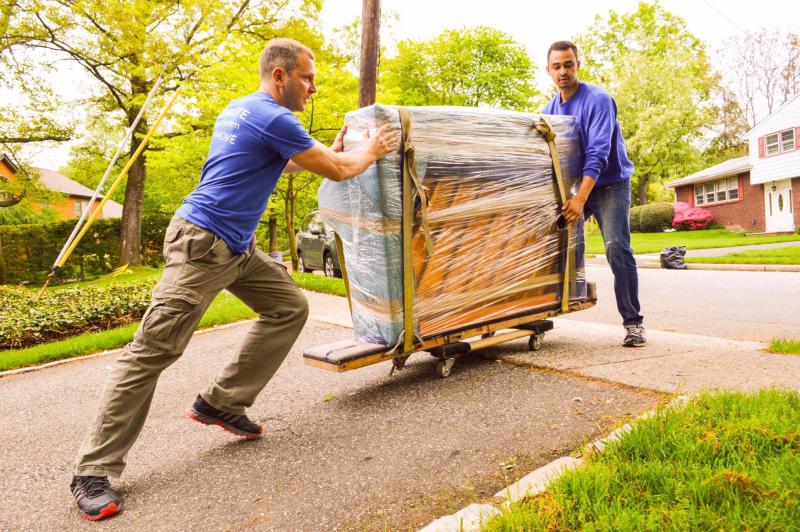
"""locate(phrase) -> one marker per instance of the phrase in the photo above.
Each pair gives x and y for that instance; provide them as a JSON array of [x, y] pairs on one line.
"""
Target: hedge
[[62, 313], [30, 250], [651, 218]]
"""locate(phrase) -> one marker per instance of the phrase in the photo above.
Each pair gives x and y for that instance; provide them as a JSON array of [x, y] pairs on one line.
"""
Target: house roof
[[61, 183], [723, 169], [6, 159], [773, 113]]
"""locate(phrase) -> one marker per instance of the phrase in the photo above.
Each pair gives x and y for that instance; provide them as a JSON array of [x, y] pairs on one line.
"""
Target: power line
[[732, 23]]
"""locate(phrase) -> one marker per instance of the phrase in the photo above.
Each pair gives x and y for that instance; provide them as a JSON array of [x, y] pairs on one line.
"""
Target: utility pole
[[370, 30]]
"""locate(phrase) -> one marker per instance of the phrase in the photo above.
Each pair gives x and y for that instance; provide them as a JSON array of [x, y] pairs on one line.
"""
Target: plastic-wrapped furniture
[[461, 229]]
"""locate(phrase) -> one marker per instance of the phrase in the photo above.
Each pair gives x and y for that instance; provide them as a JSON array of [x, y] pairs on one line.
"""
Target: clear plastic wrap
[[492, 210]]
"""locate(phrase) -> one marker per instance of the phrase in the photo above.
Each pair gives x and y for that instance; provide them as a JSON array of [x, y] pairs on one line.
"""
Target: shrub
[[655, 217], [62, 313], [30, 250], [688, 218], [636, 219]]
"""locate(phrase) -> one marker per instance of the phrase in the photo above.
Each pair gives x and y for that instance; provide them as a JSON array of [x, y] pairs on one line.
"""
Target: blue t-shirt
[[254, 138], [605, 157]]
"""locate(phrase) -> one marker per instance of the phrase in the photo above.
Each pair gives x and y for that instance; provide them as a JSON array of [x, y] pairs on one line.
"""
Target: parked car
[[316, 247]]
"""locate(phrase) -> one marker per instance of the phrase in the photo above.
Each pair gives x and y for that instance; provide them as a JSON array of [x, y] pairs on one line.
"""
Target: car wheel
[[301, 264], [330, 271]]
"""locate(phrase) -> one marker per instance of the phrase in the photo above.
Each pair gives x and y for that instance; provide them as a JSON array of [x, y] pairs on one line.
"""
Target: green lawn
[[789, 255], [785, 346], [224, 309], [709, 238], [727, 461]]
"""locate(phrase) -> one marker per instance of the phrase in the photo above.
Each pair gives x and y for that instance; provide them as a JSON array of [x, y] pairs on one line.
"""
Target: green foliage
[[724, 461], [654, 217], [469, 67], [225, 308], [30, 250], [24, 321], [659, 74], [22, 214], [785, 346]]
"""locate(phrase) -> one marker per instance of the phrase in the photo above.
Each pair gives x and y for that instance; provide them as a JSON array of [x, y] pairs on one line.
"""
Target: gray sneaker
[[95, 497], [634, 336]]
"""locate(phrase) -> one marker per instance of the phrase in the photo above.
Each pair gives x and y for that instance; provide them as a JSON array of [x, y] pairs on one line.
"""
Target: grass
[[709, 238], [726, 461], [225, 308], [788, 255], [785, 346]]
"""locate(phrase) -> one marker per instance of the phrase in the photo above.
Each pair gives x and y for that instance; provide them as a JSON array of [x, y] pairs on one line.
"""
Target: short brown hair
[[282, 53], [562, 46]]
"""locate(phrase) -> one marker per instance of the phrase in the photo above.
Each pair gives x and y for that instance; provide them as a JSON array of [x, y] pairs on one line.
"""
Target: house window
[[79, 206], [787, 140], [780, 142], [716, 191]]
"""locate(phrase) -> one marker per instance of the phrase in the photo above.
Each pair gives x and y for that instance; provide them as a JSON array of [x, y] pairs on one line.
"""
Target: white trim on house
[[729, 168], [776, 160]]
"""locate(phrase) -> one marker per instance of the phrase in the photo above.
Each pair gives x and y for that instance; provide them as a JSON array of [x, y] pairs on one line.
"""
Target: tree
[[124, 46], [731, 121], [469, 67], [764, 70], [658, 73]]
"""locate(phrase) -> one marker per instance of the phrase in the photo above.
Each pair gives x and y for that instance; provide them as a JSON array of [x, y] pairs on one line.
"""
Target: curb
[[470, 518], [600, 260]]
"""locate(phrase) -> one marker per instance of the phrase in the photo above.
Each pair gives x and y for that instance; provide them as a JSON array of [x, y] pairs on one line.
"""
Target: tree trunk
[[370, 31], [273, 234], [642, 192], [289, 206], [131, 231], [2, 265]]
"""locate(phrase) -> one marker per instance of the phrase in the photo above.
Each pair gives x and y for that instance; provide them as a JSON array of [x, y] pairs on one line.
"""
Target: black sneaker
[[95, 497], [634, 336], [236, 424]]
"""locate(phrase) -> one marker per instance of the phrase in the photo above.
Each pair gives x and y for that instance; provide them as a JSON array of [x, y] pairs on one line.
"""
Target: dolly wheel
[[535, 341], [444, 367]]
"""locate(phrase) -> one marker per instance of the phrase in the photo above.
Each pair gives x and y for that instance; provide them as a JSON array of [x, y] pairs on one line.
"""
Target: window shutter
[[762, 151], [797, 138]]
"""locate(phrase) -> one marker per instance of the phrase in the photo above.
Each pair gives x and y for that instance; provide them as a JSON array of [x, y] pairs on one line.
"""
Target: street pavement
[[367, 451], [353, 451]]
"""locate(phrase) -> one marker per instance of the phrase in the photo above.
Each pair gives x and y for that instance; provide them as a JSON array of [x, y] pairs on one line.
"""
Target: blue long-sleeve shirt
[[605, 157]]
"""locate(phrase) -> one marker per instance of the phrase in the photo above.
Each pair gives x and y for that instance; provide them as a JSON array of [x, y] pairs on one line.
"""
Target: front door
[[778, 206]]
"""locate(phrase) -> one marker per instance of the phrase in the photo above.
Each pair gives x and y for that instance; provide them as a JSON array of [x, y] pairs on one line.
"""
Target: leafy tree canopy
[[471, 67]]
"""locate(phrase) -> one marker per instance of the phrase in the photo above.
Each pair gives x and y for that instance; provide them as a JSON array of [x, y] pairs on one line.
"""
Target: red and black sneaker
[[237, 424], [95, 497]]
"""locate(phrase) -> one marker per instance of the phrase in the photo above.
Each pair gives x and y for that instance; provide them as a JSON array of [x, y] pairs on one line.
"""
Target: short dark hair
[[562, 46], [282, 53]]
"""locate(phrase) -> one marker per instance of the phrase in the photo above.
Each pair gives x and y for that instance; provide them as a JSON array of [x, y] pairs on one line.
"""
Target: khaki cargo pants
[[199, 265]]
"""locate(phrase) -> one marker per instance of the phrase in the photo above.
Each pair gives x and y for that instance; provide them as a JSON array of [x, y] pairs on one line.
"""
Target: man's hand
[[383, 142], [338, 144], [572, 210]]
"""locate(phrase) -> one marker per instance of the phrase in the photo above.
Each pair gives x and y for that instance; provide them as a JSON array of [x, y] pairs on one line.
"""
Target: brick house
[[75, 196], [759, 192]]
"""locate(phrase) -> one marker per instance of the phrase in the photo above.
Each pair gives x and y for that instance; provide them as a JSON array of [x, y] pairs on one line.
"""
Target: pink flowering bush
[[688, 218]]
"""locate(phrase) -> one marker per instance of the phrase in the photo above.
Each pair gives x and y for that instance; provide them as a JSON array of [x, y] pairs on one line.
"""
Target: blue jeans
[[611, 207]]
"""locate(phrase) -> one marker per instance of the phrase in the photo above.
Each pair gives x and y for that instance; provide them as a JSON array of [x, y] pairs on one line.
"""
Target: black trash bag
[[672, 258]]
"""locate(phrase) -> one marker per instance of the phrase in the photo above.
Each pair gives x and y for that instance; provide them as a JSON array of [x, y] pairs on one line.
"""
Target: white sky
[[535, 24]]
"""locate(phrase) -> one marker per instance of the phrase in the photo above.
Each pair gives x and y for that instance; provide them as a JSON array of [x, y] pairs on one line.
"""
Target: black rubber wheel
[[301, 265], [535, 341], [327, 266]]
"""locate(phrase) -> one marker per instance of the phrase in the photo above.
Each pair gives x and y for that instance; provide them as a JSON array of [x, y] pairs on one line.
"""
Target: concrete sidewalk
[[651, 260], [671, 362]]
